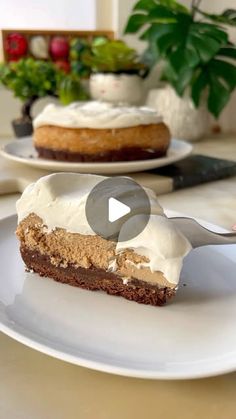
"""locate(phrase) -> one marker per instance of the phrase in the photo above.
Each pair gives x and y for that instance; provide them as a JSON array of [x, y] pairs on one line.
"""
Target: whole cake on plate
[[99, 132], [56, 241]]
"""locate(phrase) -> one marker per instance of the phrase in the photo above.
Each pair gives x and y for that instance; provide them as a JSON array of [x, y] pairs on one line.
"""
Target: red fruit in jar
[[16, 45], [63, 65], [13, 58], [59, 48]]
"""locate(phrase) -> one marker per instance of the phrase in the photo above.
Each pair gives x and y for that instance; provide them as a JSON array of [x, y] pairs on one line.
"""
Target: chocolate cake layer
[[124, 154], [95, 279]]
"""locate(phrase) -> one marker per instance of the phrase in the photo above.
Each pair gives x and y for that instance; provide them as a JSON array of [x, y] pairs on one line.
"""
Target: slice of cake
[[99, 131], [56, 241]]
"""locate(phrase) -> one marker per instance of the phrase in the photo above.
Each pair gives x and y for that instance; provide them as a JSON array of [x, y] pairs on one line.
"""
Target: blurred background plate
[[22, 151]]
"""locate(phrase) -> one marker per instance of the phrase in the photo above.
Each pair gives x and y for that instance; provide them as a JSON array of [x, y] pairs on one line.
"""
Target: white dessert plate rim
[[35, 338], [22, 151]]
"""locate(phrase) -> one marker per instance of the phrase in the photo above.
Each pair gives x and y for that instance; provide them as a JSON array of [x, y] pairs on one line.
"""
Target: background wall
[[106, 14], [48, 14]]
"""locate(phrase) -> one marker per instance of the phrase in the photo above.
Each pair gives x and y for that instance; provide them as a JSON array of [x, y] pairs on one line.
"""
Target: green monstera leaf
[[228, 17], [219, 78], [193, 45]]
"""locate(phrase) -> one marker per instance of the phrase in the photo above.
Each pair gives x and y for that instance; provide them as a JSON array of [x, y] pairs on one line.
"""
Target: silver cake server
[[199, 235]]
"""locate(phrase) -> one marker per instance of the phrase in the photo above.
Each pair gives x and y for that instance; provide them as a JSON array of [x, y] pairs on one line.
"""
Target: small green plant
[[194, 46], [31, 79], [80, 48], [70, 89], [114, 57]]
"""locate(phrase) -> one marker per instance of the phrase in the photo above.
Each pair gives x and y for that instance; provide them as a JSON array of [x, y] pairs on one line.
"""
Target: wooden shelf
[[69, 34]]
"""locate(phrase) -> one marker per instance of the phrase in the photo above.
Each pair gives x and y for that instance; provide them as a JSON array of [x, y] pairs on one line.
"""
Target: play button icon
[[111, 203], [116, 210]]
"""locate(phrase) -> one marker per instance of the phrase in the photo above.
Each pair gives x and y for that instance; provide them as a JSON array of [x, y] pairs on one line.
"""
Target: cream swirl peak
[[60, 201], [96, 115]]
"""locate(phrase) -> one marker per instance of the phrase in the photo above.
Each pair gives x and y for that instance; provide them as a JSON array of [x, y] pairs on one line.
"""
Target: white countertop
[[35, 386]]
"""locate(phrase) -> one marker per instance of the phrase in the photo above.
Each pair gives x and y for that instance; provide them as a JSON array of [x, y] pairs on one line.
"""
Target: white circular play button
[[111, 203], [116, 210]]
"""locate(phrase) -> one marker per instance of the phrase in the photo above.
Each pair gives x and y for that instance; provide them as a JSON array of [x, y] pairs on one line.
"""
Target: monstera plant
[[193, 45]]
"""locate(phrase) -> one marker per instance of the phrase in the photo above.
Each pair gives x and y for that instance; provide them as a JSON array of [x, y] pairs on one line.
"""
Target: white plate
[[23, 151], [194, 336]]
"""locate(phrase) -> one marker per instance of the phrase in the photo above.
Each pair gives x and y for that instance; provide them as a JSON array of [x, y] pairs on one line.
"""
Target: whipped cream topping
[[97, 115], [60, 199], [160, 242]]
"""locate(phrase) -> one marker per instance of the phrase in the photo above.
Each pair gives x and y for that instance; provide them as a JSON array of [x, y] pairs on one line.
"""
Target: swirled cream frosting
[[97, 115]]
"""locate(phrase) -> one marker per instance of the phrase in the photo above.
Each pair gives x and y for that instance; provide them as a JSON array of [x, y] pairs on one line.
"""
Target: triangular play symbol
[[116, 209]]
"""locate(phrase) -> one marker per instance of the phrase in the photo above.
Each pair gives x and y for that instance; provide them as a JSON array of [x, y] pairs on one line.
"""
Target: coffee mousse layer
[[90, 262]]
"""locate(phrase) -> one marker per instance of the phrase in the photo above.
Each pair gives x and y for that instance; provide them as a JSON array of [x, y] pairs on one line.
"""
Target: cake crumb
[[125, 281]]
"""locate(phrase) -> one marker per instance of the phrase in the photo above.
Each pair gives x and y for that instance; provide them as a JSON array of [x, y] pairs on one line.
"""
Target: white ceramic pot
[[180, 114], [116, 88]]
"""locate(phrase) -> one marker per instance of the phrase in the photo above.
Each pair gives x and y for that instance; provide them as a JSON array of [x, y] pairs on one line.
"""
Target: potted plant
[[80, 48], [116, 72], [197, 60], [70, 89], [30, 80]]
